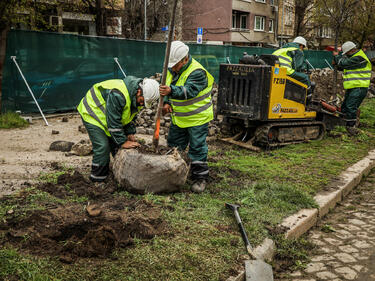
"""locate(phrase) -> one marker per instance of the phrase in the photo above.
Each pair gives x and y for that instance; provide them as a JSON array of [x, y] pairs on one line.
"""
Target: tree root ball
[[143, 173]]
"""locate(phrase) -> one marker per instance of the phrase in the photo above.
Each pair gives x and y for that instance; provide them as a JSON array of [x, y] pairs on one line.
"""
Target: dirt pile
[[76, 230], [325, 88]]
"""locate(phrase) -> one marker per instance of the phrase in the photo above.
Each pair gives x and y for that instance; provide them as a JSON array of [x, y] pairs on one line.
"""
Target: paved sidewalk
[[345, 240]]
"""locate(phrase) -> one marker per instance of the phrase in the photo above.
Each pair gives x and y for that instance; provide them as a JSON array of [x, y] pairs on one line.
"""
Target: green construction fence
[[60, 68]]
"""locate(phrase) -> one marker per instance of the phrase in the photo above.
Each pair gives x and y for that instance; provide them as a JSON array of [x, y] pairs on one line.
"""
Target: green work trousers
[[302, 77], [195, 137], [352, 101], [102, 146]]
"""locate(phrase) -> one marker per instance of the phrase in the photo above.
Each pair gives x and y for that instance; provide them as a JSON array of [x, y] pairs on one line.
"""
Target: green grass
[[202, 240], [11, 120]]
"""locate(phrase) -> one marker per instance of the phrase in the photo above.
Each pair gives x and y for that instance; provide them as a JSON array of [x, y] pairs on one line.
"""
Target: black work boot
[[199, 175], [199, 186], [352, 131]]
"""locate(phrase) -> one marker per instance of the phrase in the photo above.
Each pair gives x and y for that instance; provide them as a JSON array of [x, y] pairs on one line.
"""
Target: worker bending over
[[292, 58], [188, 98], [108, 111], [356, 79]]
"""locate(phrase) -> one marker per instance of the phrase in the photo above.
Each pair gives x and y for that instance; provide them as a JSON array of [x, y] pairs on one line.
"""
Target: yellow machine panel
[[281, 107]]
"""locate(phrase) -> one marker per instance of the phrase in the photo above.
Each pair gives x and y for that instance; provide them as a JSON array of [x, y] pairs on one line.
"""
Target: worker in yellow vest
[[108, 111], [357, 75], [292, 58], [188, 98]]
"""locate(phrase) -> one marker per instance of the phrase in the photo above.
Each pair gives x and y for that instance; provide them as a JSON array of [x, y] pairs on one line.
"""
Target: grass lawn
[[11, 120], [202, 241]]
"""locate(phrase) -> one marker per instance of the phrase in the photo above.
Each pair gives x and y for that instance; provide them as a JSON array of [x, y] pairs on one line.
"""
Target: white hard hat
[[179, 50], [347, 46], [300, 40], [150, 89]]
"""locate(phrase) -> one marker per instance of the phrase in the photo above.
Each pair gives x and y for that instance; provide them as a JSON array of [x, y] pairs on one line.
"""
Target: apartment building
[[236, 22], [74, 17], [286, 18]]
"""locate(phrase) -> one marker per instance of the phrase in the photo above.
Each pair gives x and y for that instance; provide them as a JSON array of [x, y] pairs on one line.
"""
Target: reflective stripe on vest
[[285, 60], [93, 107], [360, 77], [195, 111]]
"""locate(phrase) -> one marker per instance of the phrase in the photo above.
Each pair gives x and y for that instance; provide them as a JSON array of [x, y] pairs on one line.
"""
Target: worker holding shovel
[[108, 110], [188, 98]]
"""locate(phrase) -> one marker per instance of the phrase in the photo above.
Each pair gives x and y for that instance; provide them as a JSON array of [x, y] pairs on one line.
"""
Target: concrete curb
[[299, 223]]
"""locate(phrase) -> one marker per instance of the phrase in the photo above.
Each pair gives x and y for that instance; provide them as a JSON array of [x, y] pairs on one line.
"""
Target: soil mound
[[325, 87], [77, 230], [71, 184]]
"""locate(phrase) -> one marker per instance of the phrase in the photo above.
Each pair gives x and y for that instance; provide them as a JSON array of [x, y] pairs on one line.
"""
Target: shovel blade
[[258, 270]]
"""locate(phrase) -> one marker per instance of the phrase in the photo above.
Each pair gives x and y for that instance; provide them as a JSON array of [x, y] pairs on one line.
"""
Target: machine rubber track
[[284, 133]]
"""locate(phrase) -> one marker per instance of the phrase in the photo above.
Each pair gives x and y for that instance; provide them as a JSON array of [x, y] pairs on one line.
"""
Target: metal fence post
[[28, 87], [116, 60]]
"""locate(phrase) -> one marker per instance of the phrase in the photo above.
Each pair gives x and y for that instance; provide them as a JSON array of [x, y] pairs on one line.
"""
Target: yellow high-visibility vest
[[93, 106], [360, 77], [285, 60], [195, 111]]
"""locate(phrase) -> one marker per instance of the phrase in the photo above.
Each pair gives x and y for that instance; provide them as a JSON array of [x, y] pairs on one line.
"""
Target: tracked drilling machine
[[263, 107]]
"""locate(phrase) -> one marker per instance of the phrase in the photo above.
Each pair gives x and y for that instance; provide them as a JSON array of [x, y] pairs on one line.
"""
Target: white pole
[[28, 87], [329, 64], [145, 19], [282, 25], [116, 60], [310, 64]]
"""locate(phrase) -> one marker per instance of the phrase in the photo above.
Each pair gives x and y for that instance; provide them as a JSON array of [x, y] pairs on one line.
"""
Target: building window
[[243, 20], [240, 20], [270, 26], [259, 23], [325, 32], [288, 18]]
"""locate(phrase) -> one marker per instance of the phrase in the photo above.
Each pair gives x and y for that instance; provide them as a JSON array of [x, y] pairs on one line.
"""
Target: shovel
[[256, 269]]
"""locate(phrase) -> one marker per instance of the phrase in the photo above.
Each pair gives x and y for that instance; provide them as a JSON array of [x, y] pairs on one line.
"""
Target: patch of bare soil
[[325, 87], [77, 230], [148, 149], [69, 185]]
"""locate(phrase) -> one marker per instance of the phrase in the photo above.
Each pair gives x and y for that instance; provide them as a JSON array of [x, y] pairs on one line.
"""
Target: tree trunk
[[335, 66], [3, 41], [100, 18]]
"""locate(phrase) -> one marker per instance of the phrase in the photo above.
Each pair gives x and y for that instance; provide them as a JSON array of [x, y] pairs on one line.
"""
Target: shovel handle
[[248, 246], [244, 236]]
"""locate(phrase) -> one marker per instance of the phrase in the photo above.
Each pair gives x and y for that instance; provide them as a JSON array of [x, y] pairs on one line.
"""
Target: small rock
[[9, 212], [93, 210], [140, 121], [64, 146], [211, 131], [141, 130], [82, 148], [66, 259], [149, 131], [55, 132], [82, 129]]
